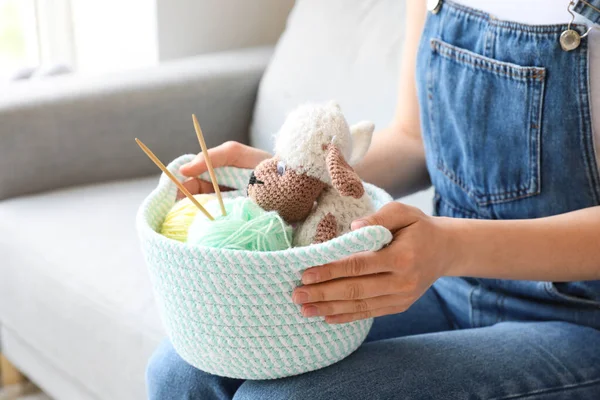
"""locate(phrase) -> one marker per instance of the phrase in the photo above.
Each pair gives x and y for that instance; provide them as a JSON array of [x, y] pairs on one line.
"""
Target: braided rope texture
[[229, 312]]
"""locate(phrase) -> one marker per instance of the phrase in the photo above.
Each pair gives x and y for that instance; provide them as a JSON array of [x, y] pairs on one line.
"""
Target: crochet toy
[[310, 181]]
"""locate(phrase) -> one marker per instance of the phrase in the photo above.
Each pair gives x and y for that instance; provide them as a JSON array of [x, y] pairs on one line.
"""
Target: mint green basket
[[229, 312]]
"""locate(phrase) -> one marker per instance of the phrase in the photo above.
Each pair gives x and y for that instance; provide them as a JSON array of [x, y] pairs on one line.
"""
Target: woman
[[498, 117]]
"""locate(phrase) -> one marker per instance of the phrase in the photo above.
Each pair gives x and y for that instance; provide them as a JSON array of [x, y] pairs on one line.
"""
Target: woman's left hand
[[372, 284]]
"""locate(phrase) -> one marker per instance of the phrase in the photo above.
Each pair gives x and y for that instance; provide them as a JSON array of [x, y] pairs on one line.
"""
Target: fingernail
[[359, 223], [310, 277], [184, 166], [300, 297], [310, 311]]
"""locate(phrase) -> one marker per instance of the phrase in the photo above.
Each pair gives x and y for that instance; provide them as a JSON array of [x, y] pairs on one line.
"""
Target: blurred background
[[50, 37]]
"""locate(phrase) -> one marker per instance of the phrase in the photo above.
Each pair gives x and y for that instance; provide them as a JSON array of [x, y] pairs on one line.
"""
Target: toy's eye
[[280, 168]]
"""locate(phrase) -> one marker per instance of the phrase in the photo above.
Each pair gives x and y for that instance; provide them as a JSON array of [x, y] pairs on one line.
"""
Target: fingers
[[193, 185], [355, 306], [228, 154], [220, 156], [345, 318], [393, 216], [345, 289], [365, 263], [199, 186]]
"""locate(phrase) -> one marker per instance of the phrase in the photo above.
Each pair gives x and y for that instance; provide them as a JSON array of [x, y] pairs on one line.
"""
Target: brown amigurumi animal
[[308, 181]]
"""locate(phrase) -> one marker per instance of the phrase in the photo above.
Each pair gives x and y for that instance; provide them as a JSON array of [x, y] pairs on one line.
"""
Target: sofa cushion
[[74, 286], [336, 49]]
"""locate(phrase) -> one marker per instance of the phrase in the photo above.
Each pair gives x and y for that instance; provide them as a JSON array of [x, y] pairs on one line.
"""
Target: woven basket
[[229, 312]]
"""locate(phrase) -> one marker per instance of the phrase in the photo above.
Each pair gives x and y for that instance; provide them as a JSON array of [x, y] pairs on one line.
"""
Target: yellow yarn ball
[[181, 216]]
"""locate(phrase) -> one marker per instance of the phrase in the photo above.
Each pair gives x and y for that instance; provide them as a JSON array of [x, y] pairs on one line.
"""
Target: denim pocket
[[485, 121]]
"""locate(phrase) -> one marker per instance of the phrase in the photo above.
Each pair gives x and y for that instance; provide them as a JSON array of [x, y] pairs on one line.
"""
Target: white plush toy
[[309, 181]]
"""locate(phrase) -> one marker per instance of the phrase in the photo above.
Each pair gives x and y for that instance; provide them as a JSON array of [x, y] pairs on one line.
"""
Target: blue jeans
[[459, 341]]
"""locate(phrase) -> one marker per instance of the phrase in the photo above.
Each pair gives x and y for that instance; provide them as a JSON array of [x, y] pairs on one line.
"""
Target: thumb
[[225, 154], [195, 167], [393, 216], [228, 154]]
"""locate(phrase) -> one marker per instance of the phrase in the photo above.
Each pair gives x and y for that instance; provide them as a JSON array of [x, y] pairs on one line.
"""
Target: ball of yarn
[[245, 227], [177, 222]]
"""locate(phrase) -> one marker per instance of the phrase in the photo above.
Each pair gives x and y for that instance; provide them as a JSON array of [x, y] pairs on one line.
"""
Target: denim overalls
[[506, 122]]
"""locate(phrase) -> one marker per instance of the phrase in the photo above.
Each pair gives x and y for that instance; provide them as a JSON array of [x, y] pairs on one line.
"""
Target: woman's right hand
[[231, 154]]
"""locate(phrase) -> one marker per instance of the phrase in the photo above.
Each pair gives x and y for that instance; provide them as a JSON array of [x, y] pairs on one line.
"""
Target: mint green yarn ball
[[245, 227]]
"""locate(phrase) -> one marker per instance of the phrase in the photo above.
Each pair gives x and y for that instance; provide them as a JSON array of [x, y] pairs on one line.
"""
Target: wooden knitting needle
[[211, 171], [164, 169]]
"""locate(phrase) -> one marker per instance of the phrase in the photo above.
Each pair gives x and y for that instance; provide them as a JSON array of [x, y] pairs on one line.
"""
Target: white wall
[[110, 35], [190, 27], [114, 34]]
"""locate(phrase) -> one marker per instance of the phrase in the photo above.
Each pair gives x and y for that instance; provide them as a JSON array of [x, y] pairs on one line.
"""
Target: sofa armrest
[[74, 130]]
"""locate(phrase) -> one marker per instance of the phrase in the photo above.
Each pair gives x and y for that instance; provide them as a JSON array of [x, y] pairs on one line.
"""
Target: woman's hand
[[232, 154], [389, 281]]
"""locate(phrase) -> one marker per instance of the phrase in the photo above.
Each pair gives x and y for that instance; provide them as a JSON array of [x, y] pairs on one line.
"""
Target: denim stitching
[[430, 101], [536, 136], [548, 390], [460, 10], [496, 67], [497, 195], [456, 180], [430, 104], [583, 128], [459, 210], [539, 30], [496, 198]]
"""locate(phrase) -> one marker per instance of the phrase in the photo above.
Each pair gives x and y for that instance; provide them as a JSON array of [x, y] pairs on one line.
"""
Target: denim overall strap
[[589, 9]]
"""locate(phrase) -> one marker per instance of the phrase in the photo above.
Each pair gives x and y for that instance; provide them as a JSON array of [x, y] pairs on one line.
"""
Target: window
[[86, 36], [18, 35]]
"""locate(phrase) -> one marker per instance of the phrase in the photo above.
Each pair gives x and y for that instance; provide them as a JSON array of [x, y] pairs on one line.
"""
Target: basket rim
[[364, 239]]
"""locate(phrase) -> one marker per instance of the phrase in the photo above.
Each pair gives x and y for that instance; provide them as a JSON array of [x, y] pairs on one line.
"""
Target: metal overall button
[[570, 40], [434, 6]]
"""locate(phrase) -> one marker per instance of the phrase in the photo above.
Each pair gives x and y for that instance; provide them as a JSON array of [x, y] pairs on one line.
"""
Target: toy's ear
[[343, 178], [362, 133]]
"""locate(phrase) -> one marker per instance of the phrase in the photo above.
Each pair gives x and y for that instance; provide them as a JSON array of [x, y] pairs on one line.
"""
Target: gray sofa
[[77, 313]]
